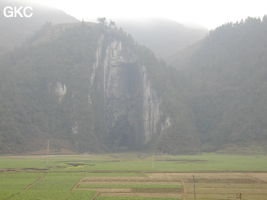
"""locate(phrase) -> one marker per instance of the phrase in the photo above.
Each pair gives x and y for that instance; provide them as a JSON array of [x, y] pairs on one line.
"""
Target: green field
[[136, 162], [133, 176]]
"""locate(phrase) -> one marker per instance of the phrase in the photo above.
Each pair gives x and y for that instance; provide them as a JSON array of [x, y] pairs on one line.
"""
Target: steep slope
[[225, 79], [165, 37], [90, 88], [14, 31]]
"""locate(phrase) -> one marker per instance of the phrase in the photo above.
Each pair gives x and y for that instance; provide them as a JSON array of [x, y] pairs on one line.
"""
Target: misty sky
[[207, 13]]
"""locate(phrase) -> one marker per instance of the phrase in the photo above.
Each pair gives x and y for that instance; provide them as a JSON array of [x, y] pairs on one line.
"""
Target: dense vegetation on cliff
[[89, 87]]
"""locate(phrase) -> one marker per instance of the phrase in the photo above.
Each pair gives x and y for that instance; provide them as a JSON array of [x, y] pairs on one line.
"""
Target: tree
[[112, 24], [102, 20]]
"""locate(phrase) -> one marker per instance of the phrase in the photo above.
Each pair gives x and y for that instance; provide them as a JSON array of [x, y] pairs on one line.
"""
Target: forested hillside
[[90, 87], [14, 31], [225, 79]]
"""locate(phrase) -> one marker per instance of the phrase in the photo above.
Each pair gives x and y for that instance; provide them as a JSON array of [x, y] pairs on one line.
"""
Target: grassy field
[[133, 176], [137, 162]]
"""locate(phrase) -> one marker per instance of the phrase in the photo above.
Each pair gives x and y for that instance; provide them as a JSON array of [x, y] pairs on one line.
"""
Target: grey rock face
[[131, 107]]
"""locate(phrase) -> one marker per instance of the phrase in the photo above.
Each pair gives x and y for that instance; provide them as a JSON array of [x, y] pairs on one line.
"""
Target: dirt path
[[135, 194], [96, 196], [76, 185], [28, 187]]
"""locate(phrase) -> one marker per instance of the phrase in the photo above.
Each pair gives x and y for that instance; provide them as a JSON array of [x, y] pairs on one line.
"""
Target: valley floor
[[133, 176]]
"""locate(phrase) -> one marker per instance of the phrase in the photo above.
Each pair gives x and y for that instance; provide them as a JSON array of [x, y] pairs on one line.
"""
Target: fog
[[207, 13]]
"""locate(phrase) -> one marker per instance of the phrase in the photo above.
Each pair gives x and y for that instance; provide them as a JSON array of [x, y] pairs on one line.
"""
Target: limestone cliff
[[90, 87]]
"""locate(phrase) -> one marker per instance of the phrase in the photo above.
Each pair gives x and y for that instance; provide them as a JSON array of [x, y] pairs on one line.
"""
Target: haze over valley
[[151, 85]]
